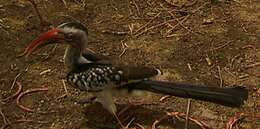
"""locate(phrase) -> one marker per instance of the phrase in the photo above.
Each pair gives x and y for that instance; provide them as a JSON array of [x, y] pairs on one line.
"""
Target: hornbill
[[89, 72]]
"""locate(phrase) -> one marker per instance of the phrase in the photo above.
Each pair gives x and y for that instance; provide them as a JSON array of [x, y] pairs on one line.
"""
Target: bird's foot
[[90, 100]]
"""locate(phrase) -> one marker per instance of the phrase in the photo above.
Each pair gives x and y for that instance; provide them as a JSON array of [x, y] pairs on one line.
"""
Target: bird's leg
[[106, 99], [90, 100], [119, 122]]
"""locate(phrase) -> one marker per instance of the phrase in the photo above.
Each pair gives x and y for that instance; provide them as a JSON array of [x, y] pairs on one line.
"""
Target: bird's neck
[[73, 57]]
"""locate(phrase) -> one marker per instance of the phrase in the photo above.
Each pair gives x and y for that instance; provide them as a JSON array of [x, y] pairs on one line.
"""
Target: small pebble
[[42, 101]]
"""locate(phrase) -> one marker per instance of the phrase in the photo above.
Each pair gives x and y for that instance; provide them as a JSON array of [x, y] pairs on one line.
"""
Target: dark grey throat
[[73, 57]]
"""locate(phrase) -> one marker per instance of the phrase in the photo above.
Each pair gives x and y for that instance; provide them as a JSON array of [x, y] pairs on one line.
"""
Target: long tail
[[232, 97]]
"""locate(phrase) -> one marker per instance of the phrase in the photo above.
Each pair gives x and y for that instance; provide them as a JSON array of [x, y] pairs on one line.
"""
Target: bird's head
[[71, 33]]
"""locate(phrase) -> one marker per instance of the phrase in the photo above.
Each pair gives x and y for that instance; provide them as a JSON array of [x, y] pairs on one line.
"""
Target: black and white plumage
[[97, 77], [90, 72]]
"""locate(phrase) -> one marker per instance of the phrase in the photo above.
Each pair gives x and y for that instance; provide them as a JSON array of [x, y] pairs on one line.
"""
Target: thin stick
[[52, 51], [220, 77], [119, 122], [155, 26], [115, 32], [23, 120], [125, 47], [14, 81], [221, 46], [258, 91], [64, 86], [138, 10], [129, 123], [180, 116], [139, 125], [45, 71], [179, 22], [164, 98], [65, 89], [172, 4], [257, 64], [189, 66], [3, 116], [233, 120], [187, 114], [65, 3], [20, 87], [150, 21], [37, 11]]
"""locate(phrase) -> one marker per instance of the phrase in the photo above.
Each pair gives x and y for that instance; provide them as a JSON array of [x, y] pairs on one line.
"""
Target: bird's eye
[[69, 35]]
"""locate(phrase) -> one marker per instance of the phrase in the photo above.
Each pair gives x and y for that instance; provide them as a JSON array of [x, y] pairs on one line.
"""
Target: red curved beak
[[49, 35]]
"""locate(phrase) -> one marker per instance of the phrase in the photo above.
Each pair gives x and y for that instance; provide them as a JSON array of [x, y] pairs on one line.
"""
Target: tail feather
[[232, 97]]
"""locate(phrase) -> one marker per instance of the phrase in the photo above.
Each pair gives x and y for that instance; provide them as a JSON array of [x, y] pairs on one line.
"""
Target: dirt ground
[[208, 42]]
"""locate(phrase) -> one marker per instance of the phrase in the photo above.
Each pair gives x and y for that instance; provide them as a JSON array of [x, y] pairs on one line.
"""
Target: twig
[[139, 125], [249, 46], [179, 23], [150, 21], [125, 47], [187, 114], [257, 64], [115, 32], [20, 87], [180, 116], [14, 81], [230, 73], [191, 3], [189, 66], [164, 97], [58, 14], [209, 61], [172, 4], [27, 92], [33, 121], [221, 46], [153, 27], [65, 89], [37, 12], [129, 123], [220, 77], [137, 8], [3, 116], [23, 120], [65, 3], [131, 27], [194, 11], [64, 86], [5, 126], [155, 123], [202, 124], [4, 28], [118, 121], [52, 51], [121, 112], [233, 120], [243, 76], [45, 71]]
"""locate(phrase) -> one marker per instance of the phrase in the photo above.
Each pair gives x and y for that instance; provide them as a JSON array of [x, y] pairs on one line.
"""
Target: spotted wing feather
[[96, 77]]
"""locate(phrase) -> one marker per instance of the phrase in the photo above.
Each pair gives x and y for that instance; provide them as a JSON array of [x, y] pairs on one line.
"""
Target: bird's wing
[[130, 72], [97, 76], [93, 56]]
